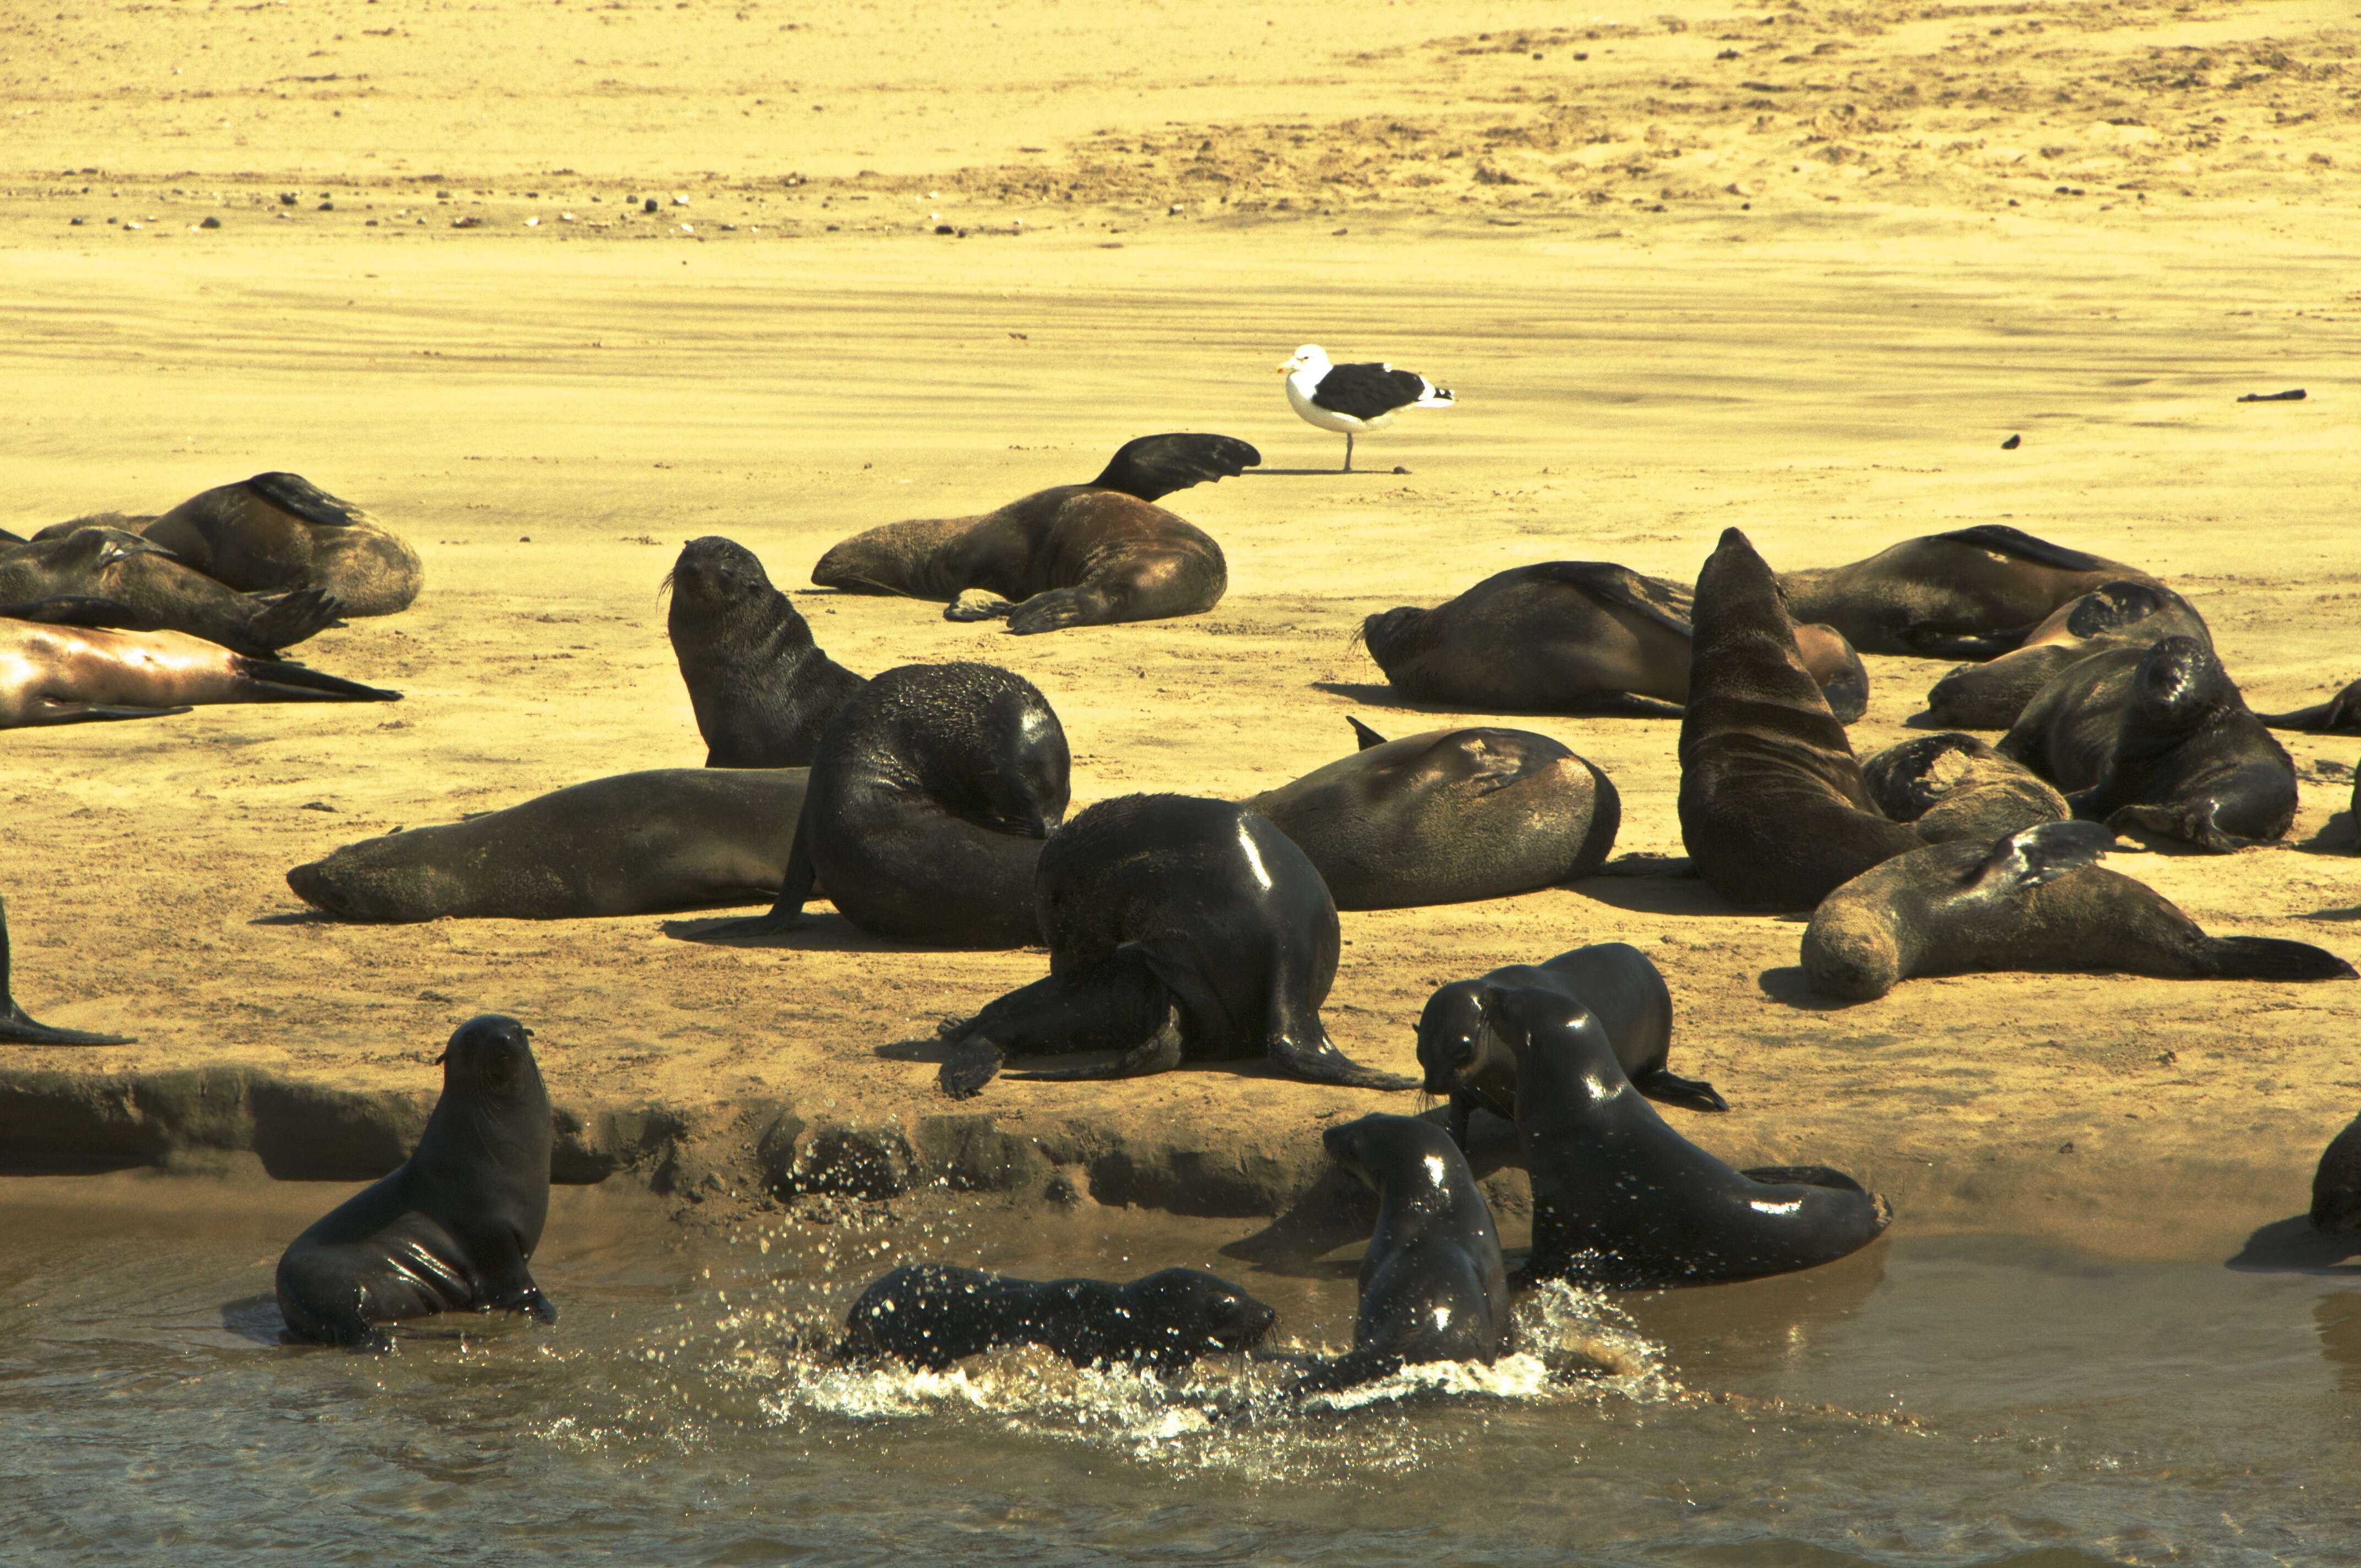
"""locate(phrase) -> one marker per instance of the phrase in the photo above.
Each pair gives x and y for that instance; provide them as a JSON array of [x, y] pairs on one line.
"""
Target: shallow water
[[1932, 1400]]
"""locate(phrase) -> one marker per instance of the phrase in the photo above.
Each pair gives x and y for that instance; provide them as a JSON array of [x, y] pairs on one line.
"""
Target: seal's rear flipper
[[1319, 1061], [16, 1029], [69, 609], [2187, 824], [282, 681], [977, 604], [2271, 957], [2017, 545], [86, 712], [294, 493], [1160, 1052], [1153, 466], [1693, 1092], [2043, 852], [1363, 733], [292, 618], [2340, 715]]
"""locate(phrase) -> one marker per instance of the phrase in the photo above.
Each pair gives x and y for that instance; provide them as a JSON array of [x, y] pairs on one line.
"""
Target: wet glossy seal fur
[[65, 674], [642, 843], [932, 1314], [2340, 715], [140, 587], [455, 1225], [2160, 741], [1179, 929], [762, 690], [1446, 816], [1953, 785], [1772, 803], [929, 800], [1072, 555], [1620, 1199], [18, 1028], [1993, 694], [2337, 1184], [1468, 1064], [1967, 594], [2032, 900], [1571, 637]]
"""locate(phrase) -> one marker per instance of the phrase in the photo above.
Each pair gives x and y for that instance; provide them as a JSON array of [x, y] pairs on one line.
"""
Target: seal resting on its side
[[18, 1028], [644, 843], [137, 585], [931, 1314], [1179, 929], [2032, 900], [455, 1225], [1072, 555], [1968, 594], [762, 690], [2340, 715], [1952, 787], [1993, 694], [1446, 816], [64, 674], [2336, 1185], [1772, 803]]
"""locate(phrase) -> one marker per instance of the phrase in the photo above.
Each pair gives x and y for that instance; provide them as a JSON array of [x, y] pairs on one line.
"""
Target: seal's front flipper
[[1362, 732], [533, 1304], [1693, 1092], [1059, 608], [785, 915], [74, 610], [977, 604], [92, 712], [294, 493], [973, 1063], [1319, 1061], [2272, 958], [1160, 1052]]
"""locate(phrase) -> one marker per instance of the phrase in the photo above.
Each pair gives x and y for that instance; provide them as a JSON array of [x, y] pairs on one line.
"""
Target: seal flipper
[[787, 913], [292, 618], [977, 604], [1693, 1092], [294, 493], [1803, 1176], [2043, 852], [1160, 1052], [18, 1029], [2272, 958], [1319, 1061], [2190, 826], [1334, 1374], [1363, 733], [281, 681], [2340, 715], [69, 609], [2017, 545], [1153, 466], [82, 712]]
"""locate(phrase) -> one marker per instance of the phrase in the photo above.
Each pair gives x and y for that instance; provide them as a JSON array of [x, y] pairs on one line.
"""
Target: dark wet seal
[[930, 1315], [144, 587]]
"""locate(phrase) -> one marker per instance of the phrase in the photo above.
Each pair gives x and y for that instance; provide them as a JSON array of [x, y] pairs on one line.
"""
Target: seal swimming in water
[[762, 690], [1992, 694], [1070, 556], [2340, 715], [1179, 929], [932, 1314], [2032, 900], [2160, 741], [1953, 785], [1620, 1199], [1432, 1284], [65, 674], [1968, 594], [1614, 980], [137, 585], [18, 1028], [1571, 637], [1447, 816], [455, 1225], [930, 796], [2337, 1184], [644, 843], [1772, 803]]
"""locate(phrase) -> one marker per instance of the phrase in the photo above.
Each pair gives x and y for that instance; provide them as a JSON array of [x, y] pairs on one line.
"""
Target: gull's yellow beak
[[1285, 366]]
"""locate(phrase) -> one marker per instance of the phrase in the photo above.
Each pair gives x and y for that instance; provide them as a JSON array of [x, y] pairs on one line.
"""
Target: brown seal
[[1992, 694], [64, 674], [1953, 785], [142, 586], [762, 690], [1968, 594]]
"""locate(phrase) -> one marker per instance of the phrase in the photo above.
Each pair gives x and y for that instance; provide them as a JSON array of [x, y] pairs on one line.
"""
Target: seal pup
[[455, 1225], [2160, 741], [65, 674], [1468, 1064], [1620, 1199], [1992, 694], [151, 590], [2340, 715], [762, 690], [1446, 816], [1432, 1284], [1352, 400], [1072, 555], [1967, 594], [2032, 900], [932, 1314], [929, 800], [2337, 1184], [1772, 803], [1953, 785], [644, 843], [1179, 929], [1571, 637], [18, 1028]]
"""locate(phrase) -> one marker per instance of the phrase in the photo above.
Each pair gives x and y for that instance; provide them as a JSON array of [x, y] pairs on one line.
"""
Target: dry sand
[[1800, 269]]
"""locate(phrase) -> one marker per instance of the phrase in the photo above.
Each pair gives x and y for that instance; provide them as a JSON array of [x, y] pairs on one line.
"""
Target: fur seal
[[2336, 1185], [64, 674], [2340, 715], [1447, 816], [2158, 741], [1620, 1199], [455, 1223], [931, 1314], [1968, 594], [1179, 929], [18, 1028], [1991, 696], [143, 587], [1432, 1284], [644, 843], [762, 688], [1773, 808], [930, 796], [1952, 785], [1614, 980], [1571, 637], [1072, 555]]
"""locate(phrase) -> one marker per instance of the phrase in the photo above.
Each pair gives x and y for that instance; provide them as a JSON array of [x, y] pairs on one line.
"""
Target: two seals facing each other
[[1993, 694], [19, 1028], [930, 1315], [66, 674], [762, 690], [456, 1224], [1968, 594]]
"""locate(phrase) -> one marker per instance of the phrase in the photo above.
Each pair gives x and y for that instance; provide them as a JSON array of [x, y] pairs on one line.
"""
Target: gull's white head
[[1311, 357]]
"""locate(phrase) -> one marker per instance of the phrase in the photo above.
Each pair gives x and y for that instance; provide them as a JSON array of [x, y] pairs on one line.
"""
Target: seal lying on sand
[[1571, 637], [1072, 555], [2032, 900], [1952, 785], [1968, 594], [64, 674], [143, 587], [1179, 929], [1466, 1061], [931, 1314], [2336, 1185], [16, 1028], [762, 690], [455, 1225], [2340, 715], [643, 843], [2160, 741], [1620, 1199], [1991, 696], [1773, 808], [1446, 816]]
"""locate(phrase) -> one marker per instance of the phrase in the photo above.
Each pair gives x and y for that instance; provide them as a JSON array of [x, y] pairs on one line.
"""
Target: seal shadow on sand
[[2292, 1246], [1633, 883], [306, 916], [1385, 695], [815, 933], [1788, 984], [255, 1319]]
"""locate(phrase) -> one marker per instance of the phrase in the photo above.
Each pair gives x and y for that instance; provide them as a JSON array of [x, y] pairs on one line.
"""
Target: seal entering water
[[932, 1314], [762, 690]]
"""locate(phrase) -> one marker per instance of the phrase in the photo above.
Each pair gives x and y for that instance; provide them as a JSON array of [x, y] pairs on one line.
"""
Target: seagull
[[1350, 399]]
